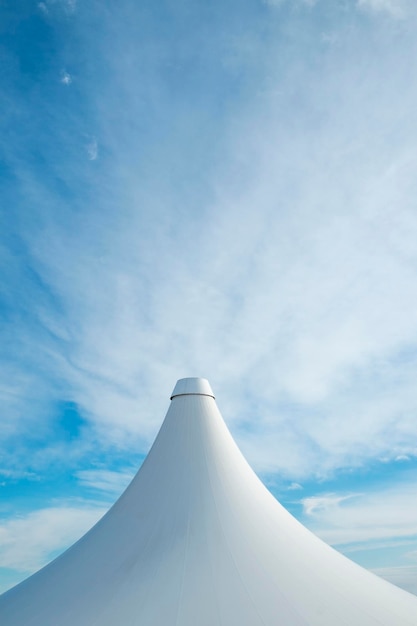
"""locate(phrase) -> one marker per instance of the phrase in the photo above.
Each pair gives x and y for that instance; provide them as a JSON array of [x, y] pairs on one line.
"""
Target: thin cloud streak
[[112, 483]]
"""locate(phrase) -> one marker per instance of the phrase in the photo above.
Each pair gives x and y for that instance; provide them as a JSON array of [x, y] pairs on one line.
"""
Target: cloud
[[112, 483], [66, 78], [42, 6], [92, 149], [71, 5], [29, 542], [375, 528], [277, 3], [315, 504], [68, 6], [342, 519], [412, 555], [394, 8], [270, 247]]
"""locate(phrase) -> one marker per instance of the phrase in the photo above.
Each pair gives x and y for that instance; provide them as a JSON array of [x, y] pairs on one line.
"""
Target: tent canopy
[[197, 540]]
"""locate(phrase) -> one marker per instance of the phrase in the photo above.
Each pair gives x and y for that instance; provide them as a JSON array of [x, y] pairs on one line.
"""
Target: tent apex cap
[[192, 387]]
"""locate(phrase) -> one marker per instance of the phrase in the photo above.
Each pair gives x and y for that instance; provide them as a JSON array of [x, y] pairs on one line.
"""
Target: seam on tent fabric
[[187, 536]]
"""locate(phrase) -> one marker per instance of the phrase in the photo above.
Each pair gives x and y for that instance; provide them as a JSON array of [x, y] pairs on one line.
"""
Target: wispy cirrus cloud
[[316, 504], [110, 482], [298, 263]]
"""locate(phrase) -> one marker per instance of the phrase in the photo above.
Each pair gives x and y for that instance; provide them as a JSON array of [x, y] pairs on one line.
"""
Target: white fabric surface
[[197, 540]]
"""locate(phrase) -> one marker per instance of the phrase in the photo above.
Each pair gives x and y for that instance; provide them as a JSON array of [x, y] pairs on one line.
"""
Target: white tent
[[197, 540]]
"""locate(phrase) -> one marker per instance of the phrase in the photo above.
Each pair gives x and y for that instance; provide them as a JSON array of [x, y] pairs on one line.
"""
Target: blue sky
[[223, 190]]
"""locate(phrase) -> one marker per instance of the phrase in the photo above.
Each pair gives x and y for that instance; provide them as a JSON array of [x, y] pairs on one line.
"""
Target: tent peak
[[192, 387]]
